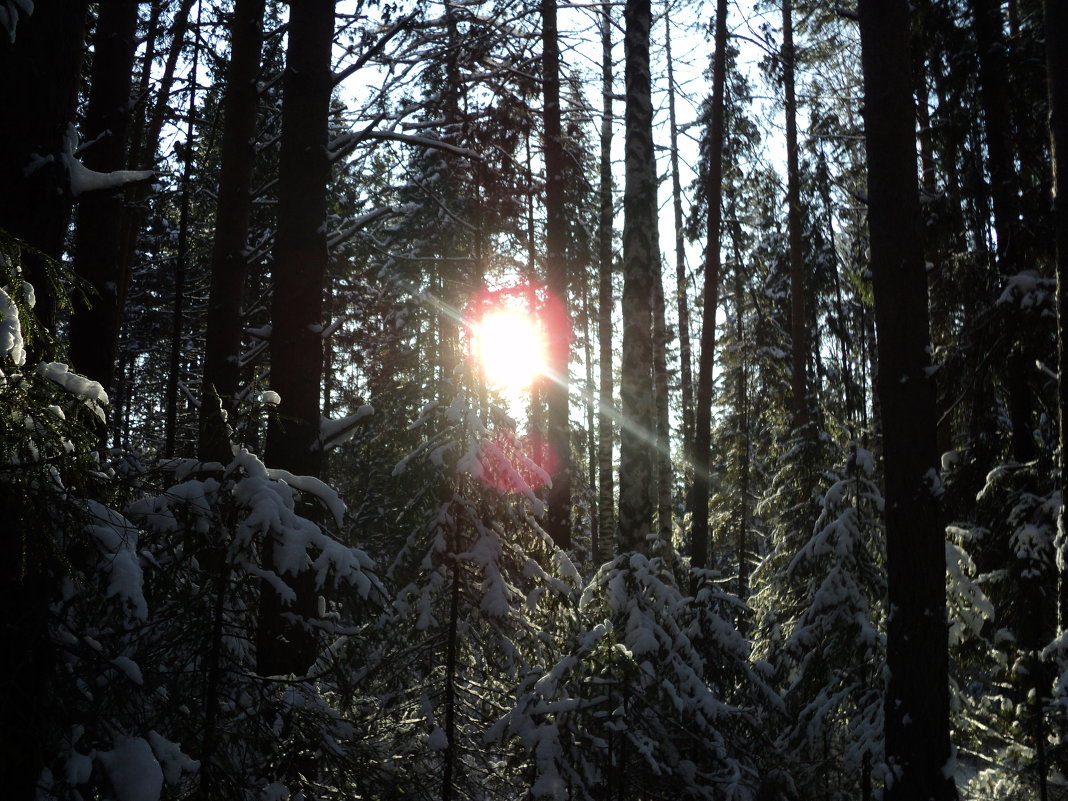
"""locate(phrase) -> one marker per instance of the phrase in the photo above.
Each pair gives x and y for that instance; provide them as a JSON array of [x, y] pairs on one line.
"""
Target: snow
[[82, 388], [337, 432], [129, 668], [436, 740], [275, 791], [133, 770], [269, 397], [117, 538], [83, 180], [171, 758], [11, 341]]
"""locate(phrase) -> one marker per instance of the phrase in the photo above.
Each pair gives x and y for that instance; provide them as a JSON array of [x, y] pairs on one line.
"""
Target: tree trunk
[[1056, 21], [144, 142], [558, 522], [917, 698], [663, 413], [94, 330], [703, 419], [994, 86], [605, 304], [798, 326], [682, 298], [641, 260], [222, 346], [181, 266], [297, 297]]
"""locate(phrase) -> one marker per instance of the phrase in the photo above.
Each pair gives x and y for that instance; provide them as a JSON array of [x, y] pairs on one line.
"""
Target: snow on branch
[[425, 141], [83, 180]]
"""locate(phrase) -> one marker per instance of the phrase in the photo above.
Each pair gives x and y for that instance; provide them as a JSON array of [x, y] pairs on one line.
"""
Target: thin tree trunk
[[994, 86], [591, 406], [1056, 25], [682, 297], [605, 303], [798, 325], [699, 537], [144, 147], [296, 306], [94, 329], [222, 346], [917, 697], [663, 414], [641, 259], [558, 519], [1056, 21], [181, 266]]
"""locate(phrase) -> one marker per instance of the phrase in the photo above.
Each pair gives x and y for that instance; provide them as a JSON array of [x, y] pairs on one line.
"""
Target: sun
[[510, 347]]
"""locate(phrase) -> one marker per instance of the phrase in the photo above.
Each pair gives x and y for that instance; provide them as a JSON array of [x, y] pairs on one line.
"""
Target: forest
[[511, 400]]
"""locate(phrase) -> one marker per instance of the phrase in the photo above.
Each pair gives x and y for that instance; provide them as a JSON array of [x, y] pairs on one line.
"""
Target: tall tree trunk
[[917, 698], [222, 346], [798, 324], [39, 75], [558, 519], [682, 296], [1056, 22], [1056, 25], [144, 143], [641, 261], [994, 86], [94, 329], [297, 297], [605, 304], [663, 413], [181, 265], [713, 186]]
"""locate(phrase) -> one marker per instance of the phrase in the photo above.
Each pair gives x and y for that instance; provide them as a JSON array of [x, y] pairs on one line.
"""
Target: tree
[[798, 322], [917, 698], [712, 181], [559, 335], [229, 266], [641, 264], [299, 267], [94, 331], [606, 425]]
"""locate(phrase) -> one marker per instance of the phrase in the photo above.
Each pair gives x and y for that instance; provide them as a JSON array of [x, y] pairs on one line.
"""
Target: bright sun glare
[[511, 348]]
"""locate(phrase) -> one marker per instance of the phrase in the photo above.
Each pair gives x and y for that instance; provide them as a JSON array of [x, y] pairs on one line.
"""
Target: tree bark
[[181, 265], [1056, 22], [558, 519], [94, 329], [663, 414], [682, 298], [702, 438], [605, 304], [917, 699], [222, 346], [296, 345], [994, 86], [641, 260], [798, 324]]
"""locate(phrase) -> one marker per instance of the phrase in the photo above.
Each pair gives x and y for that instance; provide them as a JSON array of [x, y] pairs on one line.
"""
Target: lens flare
[[510, 348]]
